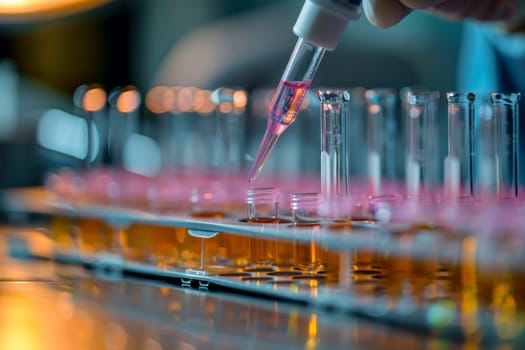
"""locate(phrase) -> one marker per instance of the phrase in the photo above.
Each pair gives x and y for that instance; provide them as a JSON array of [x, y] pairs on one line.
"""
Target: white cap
[[322, 22]]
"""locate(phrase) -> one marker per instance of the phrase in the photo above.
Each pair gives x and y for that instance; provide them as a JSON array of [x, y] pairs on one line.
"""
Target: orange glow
[[202, 102], [185, 99], [83, 325], [312, 326], [312, 341], [240, 99], [295, 100], [64, 305], [128, 101], [175, 90], [208, 195], [305, 103], [116, 336], [174, 306], [469, 305], [209, 105], [160, 99], [14, 10], [225, 107], [94, 100], [374, 108]]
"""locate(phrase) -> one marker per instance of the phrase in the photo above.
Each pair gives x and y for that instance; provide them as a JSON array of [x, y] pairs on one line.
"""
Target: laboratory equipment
[[319, 27], [422, 148], [208, 201], [334, 142], [309, 256], [452, 274], [305, 209], [123, 121], [459, 163], [383, 131], [90, 103], [160, 102], [262, 206], [356, 127], [485, 146], [230, 114], [506, 142]]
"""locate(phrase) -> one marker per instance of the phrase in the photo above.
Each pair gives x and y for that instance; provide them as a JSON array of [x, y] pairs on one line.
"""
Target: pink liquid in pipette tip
[[283, 110]]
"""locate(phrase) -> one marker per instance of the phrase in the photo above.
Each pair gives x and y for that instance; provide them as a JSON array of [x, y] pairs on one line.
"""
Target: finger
[[420, 4], [385, 13]]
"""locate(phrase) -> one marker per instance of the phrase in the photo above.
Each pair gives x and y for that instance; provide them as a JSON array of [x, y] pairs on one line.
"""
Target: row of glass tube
[[483, 143], [482, 154]]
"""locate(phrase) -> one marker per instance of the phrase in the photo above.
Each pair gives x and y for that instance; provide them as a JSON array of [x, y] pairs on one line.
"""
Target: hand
[[386, 13]]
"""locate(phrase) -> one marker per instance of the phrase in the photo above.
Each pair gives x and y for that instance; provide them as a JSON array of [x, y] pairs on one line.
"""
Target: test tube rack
[[472, 292]]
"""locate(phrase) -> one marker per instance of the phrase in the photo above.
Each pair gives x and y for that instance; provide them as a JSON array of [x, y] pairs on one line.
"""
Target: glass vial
[[309, 256], [458, 175], [506, 143], [356, 129], [422, 148], [230, 114], [263, 207], [208, 201], [90, 104], [485, 146], [382, 136], [305, 209], [123, 121], [334, 142], [231, 105]]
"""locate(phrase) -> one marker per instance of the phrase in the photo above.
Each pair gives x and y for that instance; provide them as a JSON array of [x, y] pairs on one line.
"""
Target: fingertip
[[385, 13]]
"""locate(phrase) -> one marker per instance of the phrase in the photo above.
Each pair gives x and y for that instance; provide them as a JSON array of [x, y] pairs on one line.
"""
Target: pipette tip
[[268, 142]]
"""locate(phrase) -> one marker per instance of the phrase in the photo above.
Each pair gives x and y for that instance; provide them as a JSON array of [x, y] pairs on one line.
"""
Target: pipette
[[319, 26]]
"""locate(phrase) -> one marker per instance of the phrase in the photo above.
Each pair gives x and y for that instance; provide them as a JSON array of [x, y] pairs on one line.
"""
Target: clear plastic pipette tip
[[268, 142]]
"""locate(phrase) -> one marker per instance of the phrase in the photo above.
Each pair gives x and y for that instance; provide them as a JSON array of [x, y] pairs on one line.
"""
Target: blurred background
[[48, 52]]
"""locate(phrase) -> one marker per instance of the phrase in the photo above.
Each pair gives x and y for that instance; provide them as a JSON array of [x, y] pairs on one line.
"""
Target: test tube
[[486, 165], [230, 113], [90, 102], [160, 102], [357, 133], [305, 209], [334, 142], [263, 207], [180, 153], [382, 135], [403, 98], [207, 202], [506, 143], [459, 162], [305, 214], [123, 121], [421, 162]]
